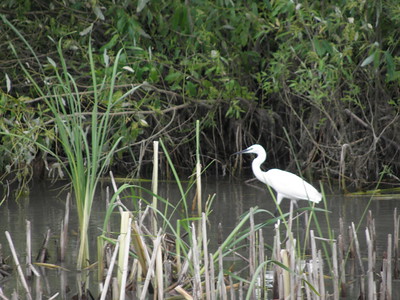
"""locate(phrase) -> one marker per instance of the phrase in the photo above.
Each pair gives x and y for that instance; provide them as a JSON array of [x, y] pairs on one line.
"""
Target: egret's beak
[[242, 151]]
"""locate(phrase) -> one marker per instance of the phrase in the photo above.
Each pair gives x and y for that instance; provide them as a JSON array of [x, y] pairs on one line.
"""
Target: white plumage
[[286, 184]]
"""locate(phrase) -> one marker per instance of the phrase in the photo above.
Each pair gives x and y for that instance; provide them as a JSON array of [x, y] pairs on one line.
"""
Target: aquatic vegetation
[[85, 136]]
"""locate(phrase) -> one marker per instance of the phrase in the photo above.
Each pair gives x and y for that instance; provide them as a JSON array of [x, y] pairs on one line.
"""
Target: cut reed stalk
[[115, 289], [64, 230], [285, 274], [28, 270], [43, 251], [359, 258], [389, 269], [197, 290], [17, 264], [261, 259], [371, 266], [335, 275], [321, 282], [252, 247], [206, 257], [125, 255], [154, 187], [396, 244], [150, 273], [221, 287], [212, 278], [125, 241], [185, 294], [2, 296], [159, 274]]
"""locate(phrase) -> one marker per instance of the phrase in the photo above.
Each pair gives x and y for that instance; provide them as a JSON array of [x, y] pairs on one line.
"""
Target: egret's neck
[[256, 165]]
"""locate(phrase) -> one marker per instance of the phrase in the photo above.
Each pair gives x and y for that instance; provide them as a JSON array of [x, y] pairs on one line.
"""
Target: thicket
[[316, 83]]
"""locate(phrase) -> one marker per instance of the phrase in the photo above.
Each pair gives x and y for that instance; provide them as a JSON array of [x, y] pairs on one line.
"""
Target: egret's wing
[[291, 186]]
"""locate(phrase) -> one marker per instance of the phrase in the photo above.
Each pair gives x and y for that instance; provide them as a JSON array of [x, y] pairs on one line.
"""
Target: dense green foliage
[[314, 82]]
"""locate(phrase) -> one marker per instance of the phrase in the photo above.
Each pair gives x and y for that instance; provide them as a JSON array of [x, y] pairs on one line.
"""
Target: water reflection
[[46, 205]]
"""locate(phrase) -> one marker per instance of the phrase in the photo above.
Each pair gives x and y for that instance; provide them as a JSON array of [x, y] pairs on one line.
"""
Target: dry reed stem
[[28, 270], [54, 296], [150, 272], [19, 268], [159, 273], [212, 277], [2, 296], [359, 259], [110, 271], [43, 250], [206, 256], [396, 244], [252, 248], [335, 271], [181, 291], [154, 187], [115, 289], [285, 274], [389, 277], [64, 230], [370, 271], [261, 254], [196, 266], [125, 246], [321, 284], [221, 280]]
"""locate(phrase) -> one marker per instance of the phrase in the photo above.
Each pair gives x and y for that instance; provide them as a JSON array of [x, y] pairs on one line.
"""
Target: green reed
[[83, 133]]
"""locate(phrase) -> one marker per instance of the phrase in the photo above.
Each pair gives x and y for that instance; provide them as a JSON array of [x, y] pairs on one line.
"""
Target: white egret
[[286, 184]]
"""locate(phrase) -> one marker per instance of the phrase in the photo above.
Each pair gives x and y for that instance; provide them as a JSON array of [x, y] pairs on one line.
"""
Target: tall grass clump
[[82, 125]]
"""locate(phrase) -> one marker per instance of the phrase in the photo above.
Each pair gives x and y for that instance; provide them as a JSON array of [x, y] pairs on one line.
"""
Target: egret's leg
[[278, 202]]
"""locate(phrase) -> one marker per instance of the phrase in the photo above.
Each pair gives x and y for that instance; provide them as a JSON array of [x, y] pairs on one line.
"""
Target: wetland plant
[[80, 124]]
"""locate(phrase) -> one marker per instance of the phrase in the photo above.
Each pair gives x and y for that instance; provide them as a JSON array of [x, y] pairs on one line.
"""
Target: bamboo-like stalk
[[124, 242], [212, 278], [152, 262], [291, 251], [2, 296], [314, 263], [154, 186], [321, 276], [125, 247], [205, 255], [19, 268], [159, 273], [28, 271], [252, 247], [388, 274], [359, 258], [185, 294], [43, 250], [110, 270], [396, 244], [231, 288], [335, 277], [370, 273], [64, 230], [197, 292], [221, 283], [286, 275], [198, 171], [115, 289]]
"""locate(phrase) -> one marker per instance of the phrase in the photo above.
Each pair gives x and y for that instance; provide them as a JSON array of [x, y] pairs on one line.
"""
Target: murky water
[[45, 207]]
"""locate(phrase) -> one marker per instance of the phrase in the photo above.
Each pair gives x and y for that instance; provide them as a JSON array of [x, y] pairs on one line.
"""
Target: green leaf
[[368, 60], [391, 68], [141, 4], [172, 77]]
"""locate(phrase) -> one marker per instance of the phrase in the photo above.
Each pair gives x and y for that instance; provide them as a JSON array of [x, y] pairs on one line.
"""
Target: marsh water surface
[[45, 207]]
